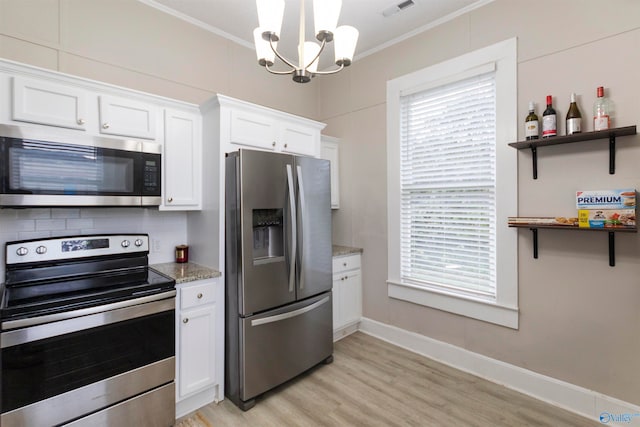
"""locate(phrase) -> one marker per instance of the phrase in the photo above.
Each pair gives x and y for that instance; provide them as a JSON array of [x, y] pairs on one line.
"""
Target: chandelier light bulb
[[308, 52], [346, 38], [265, 54], [325, 17], [270, 15]]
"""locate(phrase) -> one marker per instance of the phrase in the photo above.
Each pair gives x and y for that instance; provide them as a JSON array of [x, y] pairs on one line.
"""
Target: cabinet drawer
[[197, 295], [344, 263]]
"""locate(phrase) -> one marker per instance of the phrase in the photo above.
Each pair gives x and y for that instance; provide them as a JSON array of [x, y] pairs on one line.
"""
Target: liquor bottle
[[574, 118], [602, 110], [531, 124], [549, 122]]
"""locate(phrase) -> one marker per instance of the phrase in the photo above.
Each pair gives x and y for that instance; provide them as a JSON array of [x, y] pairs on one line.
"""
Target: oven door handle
[[63, 323]]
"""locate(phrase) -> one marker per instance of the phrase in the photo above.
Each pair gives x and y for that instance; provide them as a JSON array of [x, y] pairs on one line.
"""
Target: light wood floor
[[374, 383]]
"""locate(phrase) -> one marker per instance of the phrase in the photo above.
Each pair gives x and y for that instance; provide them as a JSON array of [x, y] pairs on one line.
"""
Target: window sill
[[487, 311]]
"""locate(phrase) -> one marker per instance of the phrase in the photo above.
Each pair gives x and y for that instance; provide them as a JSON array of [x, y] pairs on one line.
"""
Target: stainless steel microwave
[[42, 167]]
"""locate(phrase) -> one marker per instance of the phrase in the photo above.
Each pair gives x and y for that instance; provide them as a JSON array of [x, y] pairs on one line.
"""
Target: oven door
[[64, 171], [61, 371]]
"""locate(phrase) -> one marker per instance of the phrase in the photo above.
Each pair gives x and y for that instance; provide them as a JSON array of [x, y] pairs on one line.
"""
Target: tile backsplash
[[165, 229]]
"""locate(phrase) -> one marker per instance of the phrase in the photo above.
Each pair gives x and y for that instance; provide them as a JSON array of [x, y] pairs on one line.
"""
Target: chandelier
[[325, 14]]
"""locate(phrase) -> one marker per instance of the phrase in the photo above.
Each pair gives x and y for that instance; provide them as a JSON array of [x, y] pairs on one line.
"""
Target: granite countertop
[[186, 272], [345, 250]]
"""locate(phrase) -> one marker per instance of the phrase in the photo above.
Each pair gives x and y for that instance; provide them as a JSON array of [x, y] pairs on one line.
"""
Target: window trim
[[504, 310]]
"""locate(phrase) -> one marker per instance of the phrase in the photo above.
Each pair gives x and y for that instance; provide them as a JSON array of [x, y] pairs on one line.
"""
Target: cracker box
[[606, 199], [606, 218]]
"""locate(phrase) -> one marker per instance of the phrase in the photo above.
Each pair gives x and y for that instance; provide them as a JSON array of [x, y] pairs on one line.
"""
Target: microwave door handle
[[294, 237], [302, 224]]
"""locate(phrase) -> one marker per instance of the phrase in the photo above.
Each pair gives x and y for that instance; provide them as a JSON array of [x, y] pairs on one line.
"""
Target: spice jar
[[182, 253]]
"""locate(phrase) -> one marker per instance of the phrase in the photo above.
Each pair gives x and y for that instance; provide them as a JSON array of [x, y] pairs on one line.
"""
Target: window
[[452, 184]]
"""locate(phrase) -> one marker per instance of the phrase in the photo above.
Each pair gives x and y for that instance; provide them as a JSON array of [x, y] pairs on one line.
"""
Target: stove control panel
[[72, 247]]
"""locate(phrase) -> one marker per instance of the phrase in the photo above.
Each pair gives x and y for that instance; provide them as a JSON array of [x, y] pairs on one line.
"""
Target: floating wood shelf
[[610, 134], [611, 230]]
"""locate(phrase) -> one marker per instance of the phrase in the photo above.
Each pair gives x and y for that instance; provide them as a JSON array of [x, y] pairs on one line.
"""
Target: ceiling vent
[[392, 10]]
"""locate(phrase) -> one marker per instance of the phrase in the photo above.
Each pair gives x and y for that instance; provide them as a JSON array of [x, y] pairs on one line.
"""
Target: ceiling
[[236, 19]]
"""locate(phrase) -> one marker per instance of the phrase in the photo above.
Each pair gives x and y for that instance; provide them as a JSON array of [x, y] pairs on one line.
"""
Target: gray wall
[[579, 318]]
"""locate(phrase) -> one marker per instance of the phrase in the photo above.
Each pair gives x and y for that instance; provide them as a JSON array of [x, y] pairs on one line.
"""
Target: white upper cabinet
[[243, 124], [253, 130], [329, 151], [126, 117], [298, 139], [182, 188], [46, 103]]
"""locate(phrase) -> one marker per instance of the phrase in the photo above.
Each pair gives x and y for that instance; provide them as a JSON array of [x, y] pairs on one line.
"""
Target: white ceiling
[[236, 19]]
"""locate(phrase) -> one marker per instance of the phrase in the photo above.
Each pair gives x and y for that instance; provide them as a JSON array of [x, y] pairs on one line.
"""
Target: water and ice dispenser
[[268, 235]]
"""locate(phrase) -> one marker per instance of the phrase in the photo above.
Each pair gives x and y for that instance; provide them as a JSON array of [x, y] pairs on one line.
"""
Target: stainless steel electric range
[[88, 334]]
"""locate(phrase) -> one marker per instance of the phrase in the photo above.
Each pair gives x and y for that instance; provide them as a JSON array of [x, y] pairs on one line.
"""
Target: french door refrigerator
[[278, 270]]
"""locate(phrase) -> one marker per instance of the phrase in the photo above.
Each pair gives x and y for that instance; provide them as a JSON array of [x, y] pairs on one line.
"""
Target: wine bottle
[[574, 118], [531, 124], [602, 110], [549, 122]]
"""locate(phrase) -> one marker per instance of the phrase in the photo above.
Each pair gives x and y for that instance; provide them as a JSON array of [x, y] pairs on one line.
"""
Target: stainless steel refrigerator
[[278, 270]]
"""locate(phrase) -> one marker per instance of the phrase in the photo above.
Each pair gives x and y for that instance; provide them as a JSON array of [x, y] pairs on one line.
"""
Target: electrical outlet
[[155, 245]]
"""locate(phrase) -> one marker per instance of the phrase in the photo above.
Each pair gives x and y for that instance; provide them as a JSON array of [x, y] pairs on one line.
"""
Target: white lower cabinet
[[347, 295], [199, 345]]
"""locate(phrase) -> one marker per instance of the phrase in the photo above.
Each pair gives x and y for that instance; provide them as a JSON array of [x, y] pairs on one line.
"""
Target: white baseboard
[[582, 401], [344, 331]]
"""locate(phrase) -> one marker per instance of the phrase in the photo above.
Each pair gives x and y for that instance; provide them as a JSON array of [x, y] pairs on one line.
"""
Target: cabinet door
[[299, 139], [196, 358], [126, 117], [253, 130], [351, 297], [182, 159], [337, 292], [329, 151], [48, 103]]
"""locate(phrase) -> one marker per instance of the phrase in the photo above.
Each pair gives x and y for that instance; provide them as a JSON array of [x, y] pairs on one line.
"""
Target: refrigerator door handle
[[294, 313], [294, 226], [302, 216]]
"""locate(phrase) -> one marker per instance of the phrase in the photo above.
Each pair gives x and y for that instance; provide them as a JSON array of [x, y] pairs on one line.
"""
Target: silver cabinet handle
[[286, 145], [273, 144], [199, 296], [170, 200], [105, 126], [344, 264], [80, 121], [185, 320]]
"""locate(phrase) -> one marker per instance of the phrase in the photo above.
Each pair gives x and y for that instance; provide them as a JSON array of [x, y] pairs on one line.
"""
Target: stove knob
[[138, 242], [22, 251], [125, 244], [41, 250]]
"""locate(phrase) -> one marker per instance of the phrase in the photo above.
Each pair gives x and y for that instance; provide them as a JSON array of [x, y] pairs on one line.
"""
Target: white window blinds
[[447, 181]]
